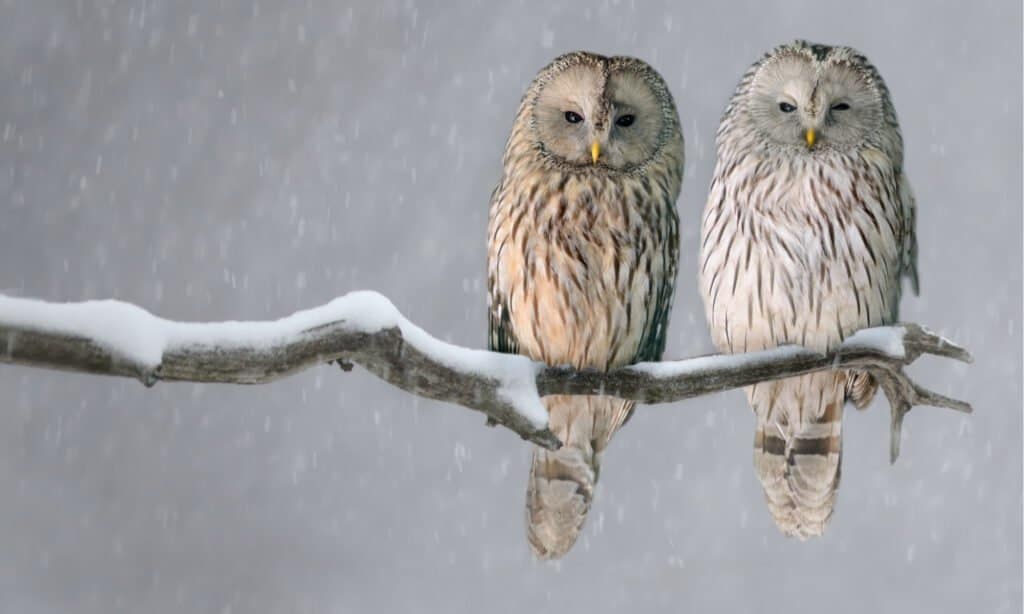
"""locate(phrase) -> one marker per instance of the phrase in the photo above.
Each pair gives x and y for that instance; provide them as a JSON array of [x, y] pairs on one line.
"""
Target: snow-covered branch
[[883, 351], [115, 338]]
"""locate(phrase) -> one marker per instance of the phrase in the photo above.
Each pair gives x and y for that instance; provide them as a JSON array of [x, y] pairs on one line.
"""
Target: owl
[[582, 255], [807, 232]]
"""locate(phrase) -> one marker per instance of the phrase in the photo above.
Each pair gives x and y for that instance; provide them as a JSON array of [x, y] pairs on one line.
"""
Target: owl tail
[[562, 482], [800, 467]]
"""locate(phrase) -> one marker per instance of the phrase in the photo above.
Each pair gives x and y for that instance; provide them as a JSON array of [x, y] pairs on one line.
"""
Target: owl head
[[812, 97], [588, 110]]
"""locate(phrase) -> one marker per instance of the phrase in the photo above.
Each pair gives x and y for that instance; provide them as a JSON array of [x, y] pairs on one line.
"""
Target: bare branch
[[112, 338]]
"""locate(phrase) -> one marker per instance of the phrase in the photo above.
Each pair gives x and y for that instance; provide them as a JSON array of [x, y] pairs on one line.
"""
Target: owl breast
[[579, 262], [803, 251]]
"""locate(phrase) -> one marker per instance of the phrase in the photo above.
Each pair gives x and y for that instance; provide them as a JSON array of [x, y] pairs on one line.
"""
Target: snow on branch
[[116, 338]]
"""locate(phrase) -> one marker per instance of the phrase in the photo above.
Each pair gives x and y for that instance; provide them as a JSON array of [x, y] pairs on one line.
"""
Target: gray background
[[242, 159]]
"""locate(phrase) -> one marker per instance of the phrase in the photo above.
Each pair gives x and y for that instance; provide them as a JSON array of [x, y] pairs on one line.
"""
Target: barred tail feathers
[[798, 449], [561, 484]]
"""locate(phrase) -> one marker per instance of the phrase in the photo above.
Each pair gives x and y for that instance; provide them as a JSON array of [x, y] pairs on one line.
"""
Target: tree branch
[[114, 338], [882, 351]]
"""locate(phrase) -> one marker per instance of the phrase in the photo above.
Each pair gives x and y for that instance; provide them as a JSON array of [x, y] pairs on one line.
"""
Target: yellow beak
[[811, 137], [595, 151]]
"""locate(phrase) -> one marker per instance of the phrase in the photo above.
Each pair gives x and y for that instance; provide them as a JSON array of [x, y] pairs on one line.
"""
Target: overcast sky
[[241, 159]]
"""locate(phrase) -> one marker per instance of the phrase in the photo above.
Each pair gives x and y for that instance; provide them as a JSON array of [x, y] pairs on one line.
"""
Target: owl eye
[[842, 106], [573, 118], [625, 121], [785, 107]]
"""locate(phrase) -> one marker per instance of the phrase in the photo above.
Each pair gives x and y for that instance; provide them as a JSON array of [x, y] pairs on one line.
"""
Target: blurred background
[[243, 159]]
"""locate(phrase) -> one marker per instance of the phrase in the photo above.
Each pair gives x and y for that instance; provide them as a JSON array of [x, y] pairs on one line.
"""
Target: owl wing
[[908, 260], [862, 387], [500, 337], [655, 332]]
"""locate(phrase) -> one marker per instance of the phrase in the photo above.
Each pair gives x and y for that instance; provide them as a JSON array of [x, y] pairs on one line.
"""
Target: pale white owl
[[807, 231]]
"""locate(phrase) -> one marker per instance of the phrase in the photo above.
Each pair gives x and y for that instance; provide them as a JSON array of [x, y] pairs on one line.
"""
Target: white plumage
[[808, 227]]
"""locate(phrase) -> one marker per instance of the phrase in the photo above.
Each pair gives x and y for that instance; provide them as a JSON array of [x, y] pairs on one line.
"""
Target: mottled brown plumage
[[808, 227], [582, 254]]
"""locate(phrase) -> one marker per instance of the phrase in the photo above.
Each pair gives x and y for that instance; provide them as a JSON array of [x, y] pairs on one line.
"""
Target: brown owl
[[582, 255], [808, 229]]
